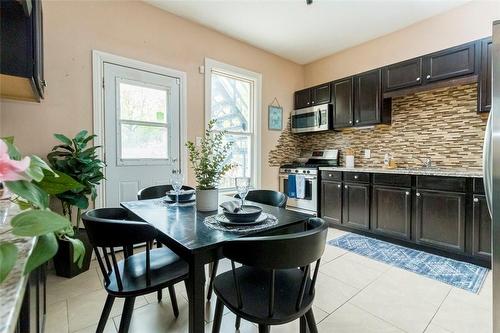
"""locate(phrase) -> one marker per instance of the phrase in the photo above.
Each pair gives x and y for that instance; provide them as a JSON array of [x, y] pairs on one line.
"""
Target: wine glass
[[176, 180], [242, 186]]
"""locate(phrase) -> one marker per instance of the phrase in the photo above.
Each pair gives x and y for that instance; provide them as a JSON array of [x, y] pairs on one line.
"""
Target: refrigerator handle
[[487, 165]]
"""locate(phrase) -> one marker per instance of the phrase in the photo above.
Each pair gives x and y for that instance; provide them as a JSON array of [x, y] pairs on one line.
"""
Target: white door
[[142, 131]]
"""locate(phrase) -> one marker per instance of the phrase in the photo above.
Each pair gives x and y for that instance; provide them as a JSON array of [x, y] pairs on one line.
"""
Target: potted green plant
[[31, 181], [209, 163], [74, 158]]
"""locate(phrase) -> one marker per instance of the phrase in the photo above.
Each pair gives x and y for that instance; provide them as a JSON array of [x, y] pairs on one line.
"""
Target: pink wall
[[457, 26], [139, 31]]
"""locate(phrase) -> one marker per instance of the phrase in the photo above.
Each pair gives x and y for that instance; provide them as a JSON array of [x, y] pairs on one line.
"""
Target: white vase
[[207, 200]]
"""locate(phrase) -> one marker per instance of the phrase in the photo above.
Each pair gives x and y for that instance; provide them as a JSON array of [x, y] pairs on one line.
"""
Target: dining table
[[183, 230]]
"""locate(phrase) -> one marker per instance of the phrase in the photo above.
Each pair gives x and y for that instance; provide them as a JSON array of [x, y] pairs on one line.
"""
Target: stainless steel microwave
[[313, 119]]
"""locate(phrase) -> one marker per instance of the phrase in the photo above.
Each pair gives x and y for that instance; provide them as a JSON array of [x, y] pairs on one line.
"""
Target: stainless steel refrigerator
[[491, 168]]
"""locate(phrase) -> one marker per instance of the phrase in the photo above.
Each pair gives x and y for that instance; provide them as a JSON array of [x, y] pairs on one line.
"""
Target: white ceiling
[[301, 33]]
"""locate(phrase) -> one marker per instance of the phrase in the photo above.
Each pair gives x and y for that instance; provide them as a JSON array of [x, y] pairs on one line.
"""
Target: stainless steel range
[[309, 203]]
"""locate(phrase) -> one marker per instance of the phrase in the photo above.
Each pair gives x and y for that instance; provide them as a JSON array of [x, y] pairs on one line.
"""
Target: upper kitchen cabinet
[[342, 100], [21, 50], [450, 63], [369, 106], [312, 96], [403, 75], [485, 75]]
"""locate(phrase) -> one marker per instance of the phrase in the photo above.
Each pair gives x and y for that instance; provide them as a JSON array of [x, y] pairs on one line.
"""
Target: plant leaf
[[13, 152], [37, 223], [30, 192], [8, 256], [81, 135], [78, 250], [45, 248], [75, 199], [63, 138], [58, 183]]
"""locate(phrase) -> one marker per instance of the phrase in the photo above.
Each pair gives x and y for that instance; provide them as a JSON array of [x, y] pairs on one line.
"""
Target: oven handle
[[307, 177]]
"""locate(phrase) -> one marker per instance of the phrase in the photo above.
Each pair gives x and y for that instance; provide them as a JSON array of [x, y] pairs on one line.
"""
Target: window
[[233, 100], [142, 121]]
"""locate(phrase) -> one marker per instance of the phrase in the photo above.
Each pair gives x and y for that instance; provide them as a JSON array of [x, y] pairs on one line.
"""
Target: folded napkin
[[231, 206], [181, 192], [292, 188], [300, 186]]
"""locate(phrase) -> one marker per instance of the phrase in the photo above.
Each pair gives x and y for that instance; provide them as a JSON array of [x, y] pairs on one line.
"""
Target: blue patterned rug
[[456, 273]]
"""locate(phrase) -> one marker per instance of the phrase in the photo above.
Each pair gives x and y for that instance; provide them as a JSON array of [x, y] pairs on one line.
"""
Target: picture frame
[[275, 118]]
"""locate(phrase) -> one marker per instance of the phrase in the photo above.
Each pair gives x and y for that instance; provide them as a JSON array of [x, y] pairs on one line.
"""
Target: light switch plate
[[368, 153]]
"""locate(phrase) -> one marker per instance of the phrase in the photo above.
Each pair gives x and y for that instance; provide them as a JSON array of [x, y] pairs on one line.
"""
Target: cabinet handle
[[308, 103], [476, 200], [357, 121], [418, 194], [350, 121], [329, 175], [355, 177], [428, 76], [407, 193], [312, 102], [338, 186], [345, 186], [418, 79]]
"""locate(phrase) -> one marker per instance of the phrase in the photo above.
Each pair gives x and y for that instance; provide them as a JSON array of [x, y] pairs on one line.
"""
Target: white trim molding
[[256, 78], [99, 58]]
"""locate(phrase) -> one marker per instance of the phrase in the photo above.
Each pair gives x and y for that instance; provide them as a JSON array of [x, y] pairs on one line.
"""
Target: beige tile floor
[[354, 294]]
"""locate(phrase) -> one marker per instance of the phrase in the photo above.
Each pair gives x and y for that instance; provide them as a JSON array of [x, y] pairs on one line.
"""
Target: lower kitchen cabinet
[[391, 211], [33, 309], [331, 202], [440, 220], [356, 206], [481, 228]]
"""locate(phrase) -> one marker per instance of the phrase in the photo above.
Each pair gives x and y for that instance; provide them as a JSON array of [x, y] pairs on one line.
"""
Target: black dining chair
[[137, 274], [274, 285], [266, 197], [157, 191]]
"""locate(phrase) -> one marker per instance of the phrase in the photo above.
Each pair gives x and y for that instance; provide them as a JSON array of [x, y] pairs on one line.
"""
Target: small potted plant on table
[[210, 162]]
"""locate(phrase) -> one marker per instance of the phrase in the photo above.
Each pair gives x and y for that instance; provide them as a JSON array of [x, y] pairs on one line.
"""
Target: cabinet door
[[331, 202], [367, 98], [440, 220], [302, 98], [356, 206], [403, 75], [450, 63], [391, 211], [481, 228], [342, 103], [320, 94], [484, 89]]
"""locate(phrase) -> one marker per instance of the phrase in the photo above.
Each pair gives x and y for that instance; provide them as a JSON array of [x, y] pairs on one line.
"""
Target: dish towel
[[300, 186], [292, 188]]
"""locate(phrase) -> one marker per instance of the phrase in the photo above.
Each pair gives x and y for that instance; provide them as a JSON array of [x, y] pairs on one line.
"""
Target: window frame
[[254, 133]]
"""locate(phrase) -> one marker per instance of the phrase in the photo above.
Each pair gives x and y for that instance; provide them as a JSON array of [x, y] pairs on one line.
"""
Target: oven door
[[310, 201]]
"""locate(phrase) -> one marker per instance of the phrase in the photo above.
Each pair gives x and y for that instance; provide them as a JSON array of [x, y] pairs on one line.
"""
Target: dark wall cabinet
[[369, 106], [356, 206], [302, 98], [342, 100], [21, 50], [453, 62], [481, 228], [403, 75], [485, 78], [391, 211], [312, 96]]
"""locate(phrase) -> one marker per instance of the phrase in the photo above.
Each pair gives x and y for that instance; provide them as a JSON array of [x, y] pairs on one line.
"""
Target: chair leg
[[219, 307], [105, 313], [311, 322], [128, 308], [237, 323], [173, 300], [213, 273], [159, 295], [303, 324], [263, 328]]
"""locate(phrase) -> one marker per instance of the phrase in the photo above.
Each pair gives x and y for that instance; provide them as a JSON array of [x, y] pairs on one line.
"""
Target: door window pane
[[231, 103], [143, 142], [141, 103]]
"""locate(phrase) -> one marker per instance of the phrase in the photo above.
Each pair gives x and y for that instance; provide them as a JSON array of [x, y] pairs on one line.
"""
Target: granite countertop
[[12, 289], [418, 171]]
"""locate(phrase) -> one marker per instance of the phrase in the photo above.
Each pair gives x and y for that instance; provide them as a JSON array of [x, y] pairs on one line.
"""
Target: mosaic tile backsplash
[[441, 124]]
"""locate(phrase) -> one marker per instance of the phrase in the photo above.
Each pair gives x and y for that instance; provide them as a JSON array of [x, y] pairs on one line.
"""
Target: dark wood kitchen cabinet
[[367, 98], [342, 100], [485, 78], [21, 50], [453, 62], [440, 220], [391, 211], [481, 228], [403, 75], [356, 206], [331, 202], [320, 94], [33, 309], [302, 98]]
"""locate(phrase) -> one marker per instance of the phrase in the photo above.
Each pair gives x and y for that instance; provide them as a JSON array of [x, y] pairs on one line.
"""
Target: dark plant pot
[[63, 260]]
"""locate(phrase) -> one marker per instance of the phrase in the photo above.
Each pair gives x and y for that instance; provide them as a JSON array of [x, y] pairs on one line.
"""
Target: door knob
[[428, 76]]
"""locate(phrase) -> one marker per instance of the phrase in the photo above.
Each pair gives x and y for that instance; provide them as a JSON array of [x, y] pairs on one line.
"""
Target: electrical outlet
[[201, 69], [368, 153], [198, 140]]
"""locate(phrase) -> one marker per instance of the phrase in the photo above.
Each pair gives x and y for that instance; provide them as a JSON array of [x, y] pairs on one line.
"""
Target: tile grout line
[[439, 307]]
